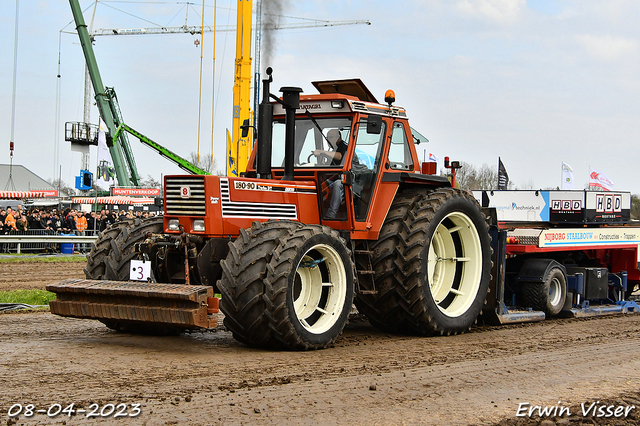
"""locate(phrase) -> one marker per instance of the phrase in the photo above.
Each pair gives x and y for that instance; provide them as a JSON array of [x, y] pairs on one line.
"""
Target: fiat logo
[[185, 192]]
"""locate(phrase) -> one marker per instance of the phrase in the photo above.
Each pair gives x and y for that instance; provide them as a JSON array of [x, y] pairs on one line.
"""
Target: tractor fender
[[537, 270]]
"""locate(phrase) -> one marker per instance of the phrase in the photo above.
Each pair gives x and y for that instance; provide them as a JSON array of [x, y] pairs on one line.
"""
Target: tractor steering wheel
[[323, 158]]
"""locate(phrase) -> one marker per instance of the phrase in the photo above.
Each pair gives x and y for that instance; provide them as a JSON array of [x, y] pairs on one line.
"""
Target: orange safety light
[[389, 97]]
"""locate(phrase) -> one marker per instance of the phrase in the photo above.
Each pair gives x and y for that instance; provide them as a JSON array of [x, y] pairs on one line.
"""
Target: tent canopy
[[19, 195]]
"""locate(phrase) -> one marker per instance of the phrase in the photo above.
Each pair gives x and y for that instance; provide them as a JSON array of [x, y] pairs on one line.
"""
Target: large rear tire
[[242, 286], [437, 276], [101, 248], [309, 288], [383, 308]]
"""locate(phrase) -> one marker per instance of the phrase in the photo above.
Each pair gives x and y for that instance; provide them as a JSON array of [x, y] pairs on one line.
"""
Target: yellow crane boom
[[240, 148]]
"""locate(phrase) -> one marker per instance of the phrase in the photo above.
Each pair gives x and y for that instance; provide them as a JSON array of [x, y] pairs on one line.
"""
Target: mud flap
[[173, 304]]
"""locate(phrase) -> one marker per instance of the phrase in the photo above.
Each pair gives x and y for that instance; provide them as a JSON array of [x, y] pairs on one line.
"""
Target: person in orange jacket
[[81, 222], [10, 221], [81, 226]]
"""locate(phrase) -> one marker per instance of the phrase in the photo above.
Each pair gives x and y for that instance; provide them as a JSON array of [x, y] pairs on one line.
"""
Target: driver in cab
[[337, 144], [335, 158]]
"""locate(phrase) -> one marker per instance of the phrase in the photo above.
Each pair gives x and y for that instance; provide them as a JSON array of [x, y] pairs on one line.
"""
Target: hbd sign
[[566, 205], [608, 203]]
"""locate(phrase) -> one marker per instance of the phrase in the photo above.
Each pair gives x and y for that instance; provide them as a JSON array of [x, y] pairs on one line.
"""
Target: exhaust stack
[[290, 102], [265, 123]]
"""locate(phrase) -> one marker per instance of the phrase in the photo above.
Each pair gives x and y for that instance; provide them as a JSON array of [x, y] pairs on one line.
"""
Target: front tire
[[242, 283], [309, 288]]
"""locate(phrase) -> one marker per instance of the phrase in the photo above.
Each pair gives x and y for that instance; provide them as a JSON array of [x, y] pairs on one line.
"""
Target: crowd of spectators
[[67, 221]]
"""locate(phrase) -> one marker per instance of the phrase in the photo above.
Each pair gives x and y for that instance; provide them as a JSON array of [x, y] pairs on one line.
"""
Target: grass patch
[[16, 258], [28, 297]]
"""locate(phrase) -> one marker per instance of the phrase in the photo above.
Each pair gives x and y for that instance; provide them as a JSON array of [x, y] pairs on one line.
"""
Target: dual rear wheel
[[432, 265]]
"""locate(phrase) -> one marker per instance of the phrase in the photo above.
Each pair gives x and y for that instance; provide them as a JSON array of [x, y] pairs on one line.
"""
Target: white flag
[[105, 175], [567, 176], [599, 181]]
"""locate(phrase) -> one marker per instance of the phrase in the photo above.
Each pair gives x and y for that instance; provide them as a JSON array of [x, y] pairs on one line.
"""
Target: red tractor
[[333, 210]]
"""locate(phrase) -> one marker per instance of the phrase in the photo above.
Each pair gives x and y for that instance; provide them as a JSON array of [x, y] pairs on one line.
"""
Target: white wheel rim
[[554, 292], [455, 264], [320, 287]]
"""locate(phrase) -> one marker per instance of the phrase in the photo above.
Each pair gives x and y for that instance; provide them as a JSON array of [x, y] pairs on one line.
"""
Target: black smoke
[[271, 17]]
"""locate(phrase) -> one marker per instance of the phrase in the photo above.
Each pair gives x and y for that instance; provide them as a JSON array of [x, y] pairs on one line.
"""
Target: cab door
[[365, 167], [380, 184]]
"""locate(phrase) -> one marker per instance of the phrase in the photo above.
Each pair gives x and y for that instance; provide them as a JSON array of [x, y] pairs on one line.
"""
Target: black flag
[[503, 177]]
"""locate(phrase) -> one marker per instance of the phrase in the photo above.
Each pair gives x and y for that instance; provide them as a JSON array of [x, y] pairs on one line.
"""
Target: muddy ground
[[36, 275], [368, 378]]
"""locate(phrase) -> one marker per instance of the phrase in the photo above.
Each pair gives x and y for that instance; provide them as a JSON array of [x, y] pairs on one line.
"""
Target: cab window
[[399, 152], [364, 166], [311, 136]]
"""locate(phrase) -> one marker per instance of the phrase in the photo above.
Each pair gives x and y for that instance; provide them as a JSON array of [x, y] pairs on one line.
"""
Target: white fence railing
[[18, 243]]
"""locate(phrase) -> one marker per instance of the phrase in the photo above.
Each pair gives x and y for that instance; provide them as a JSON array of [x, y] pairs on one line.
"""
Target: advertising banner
[[599, 180], [517, 206], [608, 206], [590, 237], [146, 192], [566, 206]]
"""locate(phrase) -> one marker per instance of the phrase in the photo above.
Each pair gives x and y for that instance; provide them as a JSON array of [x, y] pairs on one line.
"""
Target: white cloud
[[500, 11], [608, 48]]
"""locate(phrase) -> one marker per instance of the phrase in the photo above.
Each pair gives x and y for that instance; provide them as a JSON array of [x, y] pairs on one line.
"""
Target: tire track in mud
[[36, 275], [479, 377]]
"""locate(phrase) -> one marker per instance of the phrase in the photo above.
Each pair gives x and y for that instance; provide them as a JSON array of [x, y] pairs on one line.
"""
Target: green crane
[[107, 102]]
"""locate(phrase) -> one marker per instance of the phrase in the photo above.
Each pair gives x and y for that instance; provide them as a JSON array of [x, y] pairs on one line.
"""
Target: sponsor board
[[566, 206], [517, 206], [147, 192], [608, 206], [558, 206], [584, 237]]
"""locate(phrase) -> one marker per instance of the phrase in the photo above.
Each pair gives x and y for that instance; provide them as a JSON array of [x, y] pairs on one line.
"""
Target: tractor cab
[[347, 143], [351, 146]]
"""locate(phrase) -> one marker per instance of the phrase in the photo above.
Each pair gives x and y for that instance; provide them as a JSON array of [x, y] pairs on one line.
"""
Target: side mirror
[[374, 124], [245, 128]]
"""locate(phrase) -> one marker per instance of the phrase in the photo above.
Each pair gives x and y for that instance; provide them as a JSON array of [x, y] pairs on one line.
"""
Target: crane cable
[[213, 80], [200, 88], [15, 72]]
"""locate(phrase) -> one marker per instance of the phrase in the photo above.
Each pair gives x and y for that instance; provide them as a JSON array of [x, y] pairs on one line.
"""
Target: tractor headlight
[[174, 225], [198, 225]]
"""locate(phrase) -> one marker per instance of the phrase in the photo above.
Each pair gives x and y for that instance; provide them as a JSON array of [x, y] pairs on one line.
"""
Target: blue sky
[[535, 82]]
